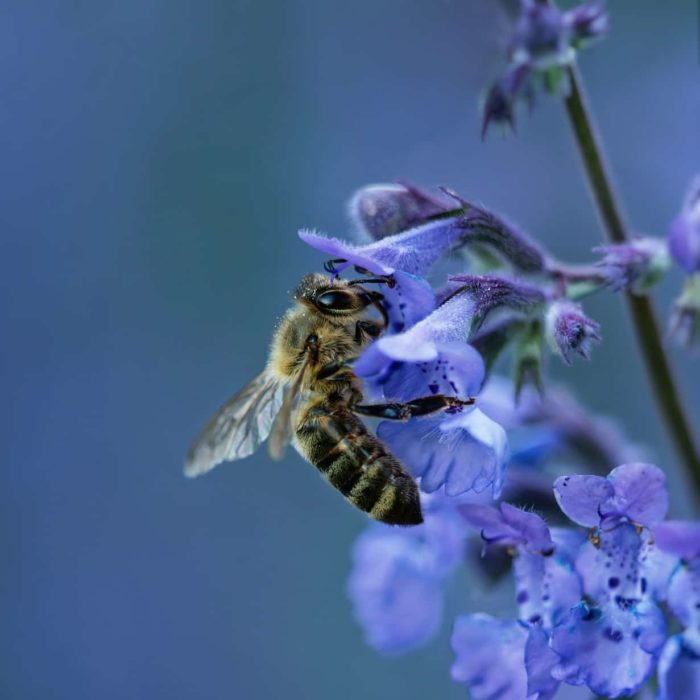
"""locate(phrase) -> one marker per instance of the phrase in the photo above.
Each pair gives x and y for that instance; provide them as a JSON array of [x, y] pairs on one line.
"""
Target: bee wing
[[281, 432], [238, 427]]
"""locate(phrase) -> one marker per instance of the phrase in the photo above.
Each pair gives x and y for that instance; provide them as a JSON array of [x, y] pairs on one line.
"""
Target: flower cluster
[[588, 601], [606, 592], [543, 44], [588, 607]]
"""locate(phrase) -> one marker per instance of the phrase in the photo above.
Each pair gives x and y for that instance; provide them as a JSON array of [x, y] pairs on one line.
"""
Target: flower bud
[[684, 233], [500, 100], [570, 331], [385, 209], [684, 324], [587, 22], [636, 265]]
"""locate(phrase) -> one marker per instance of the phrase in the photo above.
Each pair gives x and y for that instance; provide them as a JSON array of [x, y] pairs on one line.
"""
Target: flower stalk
[[640, 308]]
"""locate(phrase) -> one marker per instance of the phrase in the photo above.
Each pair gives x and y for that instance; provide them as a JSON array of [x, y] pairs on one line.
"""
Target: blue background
[[158, 157]]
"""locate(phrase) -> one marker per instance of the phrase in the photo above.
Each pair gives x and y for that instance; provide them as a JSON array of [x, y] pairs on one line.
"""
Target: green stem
[[641, 309]]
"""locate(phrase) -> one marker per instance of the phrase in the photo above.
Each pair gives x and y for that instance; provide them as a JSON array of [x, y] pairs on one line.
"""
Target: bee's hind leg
[[422, 406]]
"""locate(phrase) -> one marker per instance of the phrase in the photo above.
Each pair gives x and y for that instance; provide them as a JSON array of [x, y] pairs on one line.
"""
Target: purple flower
[[396, 593], [384, 210], [431, 357], [502, 96], [684, 232], [633, 493], [570, 331], [398, 576], [636, 265], [613, 642], [460, 448]]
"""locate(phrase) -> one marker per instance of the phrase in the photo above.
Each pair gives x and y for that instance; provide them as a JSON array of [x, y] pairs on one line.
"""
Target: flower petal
[[679, 537], [611, 571], [414, 251], [640, 494], [396, 595], [410, 300], [679, 669], [684, 594], [449, 323], [489, 657], [580, 497], [540, 660], [547, 587], [443, 451]]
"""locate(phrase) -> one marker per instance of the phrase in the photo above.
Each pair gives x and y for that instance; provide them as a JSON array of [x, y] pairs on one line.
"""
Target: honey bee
[[309, 394]]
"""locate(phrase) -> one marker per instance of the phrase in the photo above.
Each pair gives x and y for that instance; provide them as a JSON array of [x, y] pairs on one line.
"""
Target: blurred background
[[158, 157]]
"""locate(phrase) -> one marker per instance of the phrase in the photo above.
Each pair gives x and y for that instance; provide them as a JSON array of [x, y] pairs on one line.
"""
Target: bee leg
[[417, 407]]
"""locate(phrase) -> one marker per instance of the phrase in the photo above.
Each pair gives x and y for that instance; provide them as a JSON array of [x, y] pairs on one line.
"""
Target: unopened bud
[[570, 331], [684, 233], [385, 209]]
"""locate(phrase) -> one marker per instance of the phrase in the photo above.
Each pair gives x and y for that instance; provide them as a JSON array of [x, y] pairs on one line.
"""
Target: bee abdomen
[[358, 465]]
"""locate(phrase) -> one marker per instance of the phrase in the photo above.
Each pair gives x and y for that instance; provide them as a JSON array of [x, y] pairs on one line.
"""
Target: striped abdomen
[[353, 460]]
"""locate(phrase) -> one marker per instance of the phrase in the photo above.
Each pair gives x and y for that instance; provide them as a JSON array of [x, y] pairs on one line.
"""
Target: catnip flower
[[547, 586], [612, 641], [570, 331], [398, 578], [587, 608], [461, 448]]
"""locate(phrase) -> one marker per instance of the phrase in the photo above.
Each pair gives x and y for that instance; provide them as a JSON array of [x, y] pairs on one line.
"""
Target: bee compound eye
[[336, 300]]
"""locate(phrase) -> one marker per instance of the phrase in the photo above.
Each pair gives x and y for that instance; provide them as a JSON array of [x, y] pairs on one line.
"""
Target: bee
[[308, 394]]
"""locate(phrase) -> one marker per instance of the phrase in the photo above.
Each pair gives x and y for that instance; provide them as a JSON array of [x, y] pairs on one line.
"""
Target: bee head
[[332, 297]]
